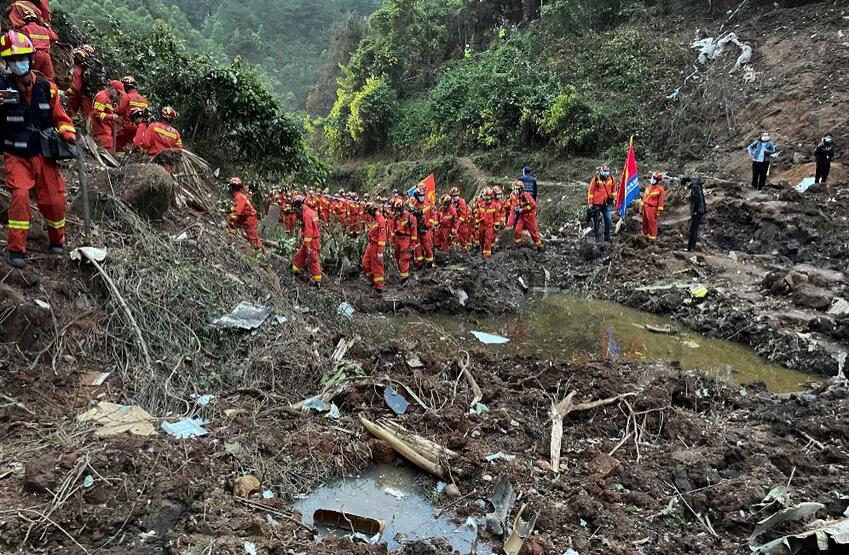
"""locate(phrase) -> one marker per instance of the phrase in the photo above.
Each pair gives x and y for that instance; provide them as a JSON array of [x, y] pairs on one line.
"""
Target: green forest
[[503, 81], [286, 40]]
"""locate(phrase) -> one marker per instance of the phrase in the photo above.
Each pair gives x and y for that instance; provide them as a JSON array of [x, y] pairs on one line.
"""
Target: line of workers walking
[[411, 227], [38, 117]]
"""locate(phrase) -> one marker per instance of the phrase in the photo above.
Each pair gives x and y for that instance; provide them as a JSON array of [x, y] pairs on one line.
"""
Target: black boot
[[57, 249], [16, 260]]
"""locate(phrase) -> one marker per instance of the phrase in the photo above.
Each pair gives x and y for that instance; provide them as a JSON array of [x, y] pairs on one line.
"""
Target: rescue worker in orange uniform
[[18, 11], [34, 108], [404, 237], [243, 214], [501, 207], [159, 135], [79, 97], [372, 263], [447, 227], [423, 211], [132, 99], [653, 201], [41, 37], [486, 215], [103, 116], [523, 215], [600, 199], [307, 256], [464, 223]]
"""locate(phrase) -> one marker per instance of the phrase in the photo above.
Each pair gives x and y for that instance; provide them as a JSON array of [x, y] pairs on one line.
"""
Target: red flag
[[629, 185], [429, 184]]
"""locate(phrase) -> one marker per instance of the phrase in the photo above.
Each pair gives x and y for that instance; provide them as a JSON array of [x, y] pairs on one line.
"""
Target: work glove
[[380, 256], [116, 117]]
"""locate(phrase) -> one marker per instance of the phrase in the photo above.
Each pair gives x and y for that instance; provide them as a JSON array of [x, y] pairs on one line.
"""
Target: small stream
[[576, 329]]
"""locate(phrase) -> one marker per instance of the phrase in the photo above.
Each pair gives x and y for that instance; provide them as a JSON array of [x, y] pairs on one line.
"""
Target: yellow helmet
[[13, 43]]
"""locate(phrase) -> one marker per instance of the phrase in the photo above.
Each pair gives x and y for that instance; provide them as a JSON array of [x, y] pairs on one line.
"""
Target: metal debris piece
[[395, 401], [246, 316], [185, 428], [490, 339], [94, 379], [502, 498], [99, 255], [336, 519], [346, 310]]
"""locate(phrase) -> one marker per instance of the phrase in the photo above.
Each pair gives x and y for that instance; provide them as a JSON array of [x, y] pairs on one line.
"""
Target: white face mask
[[764, 138], [653, 181]]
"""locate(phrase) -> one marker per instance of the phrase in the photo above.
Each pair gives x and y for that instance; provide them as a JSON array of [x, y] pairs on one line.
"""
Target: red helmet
[[29, 15], [496, 190], [135, 111], [398, 203], [454, 192], [445, 199], [298, 200], [657, 176], [13, 43], [129, 82], [518, 186], [235, 183], [486, 192]]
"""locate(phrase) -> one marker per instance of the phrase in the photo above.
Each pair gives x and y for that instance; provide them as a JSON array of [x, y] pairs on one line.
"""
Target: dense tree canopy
[[287, 40]]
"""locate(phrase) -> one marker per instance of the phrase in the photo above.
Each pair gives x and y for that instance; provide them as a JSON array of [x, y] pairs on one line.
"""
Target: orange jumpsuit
[[25, 167], [404, 236], [423, 211], [102, 122], [447, 229], [653, 203], [308, 253], [17, 10], [128, 131], [77, 99], [486, 217], [243, 216], [523, 215], [464, 224], [501, 209], [156, 137], [41, 38], [372, 262]]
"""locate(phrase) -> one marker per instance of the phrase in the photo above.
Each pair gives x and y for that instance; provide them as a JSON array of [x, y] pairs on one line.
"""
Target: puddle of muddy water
[[393, 494], [574, 328]]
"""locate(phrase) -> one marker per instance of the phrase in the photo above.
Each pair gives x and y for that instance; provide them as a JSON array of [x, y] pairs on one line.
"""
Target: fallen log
[[404, 448]]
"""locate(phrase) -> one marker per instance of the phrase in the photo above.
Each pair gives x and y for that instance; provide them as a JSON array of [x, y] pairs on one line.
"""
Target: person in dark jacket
[[824, 154], [529, 182], [698, 206]]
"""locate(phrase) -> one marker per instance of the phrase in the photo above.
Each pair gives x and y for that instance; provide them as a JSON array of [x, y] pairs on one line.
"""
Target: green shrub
[[372, 110]]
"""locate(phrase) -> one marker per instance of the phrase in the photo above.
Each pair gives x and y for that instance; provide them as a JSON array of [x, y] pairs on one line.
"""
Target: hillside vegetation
[[287, 40]]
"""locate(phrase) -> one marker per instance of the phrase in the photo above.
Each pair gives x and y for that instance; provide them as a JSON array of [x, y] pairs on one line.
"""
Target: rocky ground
[[677, 465]]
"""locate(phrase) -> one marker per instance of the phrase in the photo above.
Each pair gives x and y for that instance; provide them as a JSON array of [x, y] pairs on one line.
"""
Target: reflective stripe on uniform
[[59, 224], [296, 269], [135, 104], [19, 224], [43, 37], [165, 132], [317, 277], [68, 128]]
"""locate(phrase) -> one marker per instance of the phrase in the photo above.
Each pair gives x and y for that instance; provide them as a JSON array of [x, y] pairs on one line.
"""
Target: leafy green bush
[[372, 110], [573, 123]]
